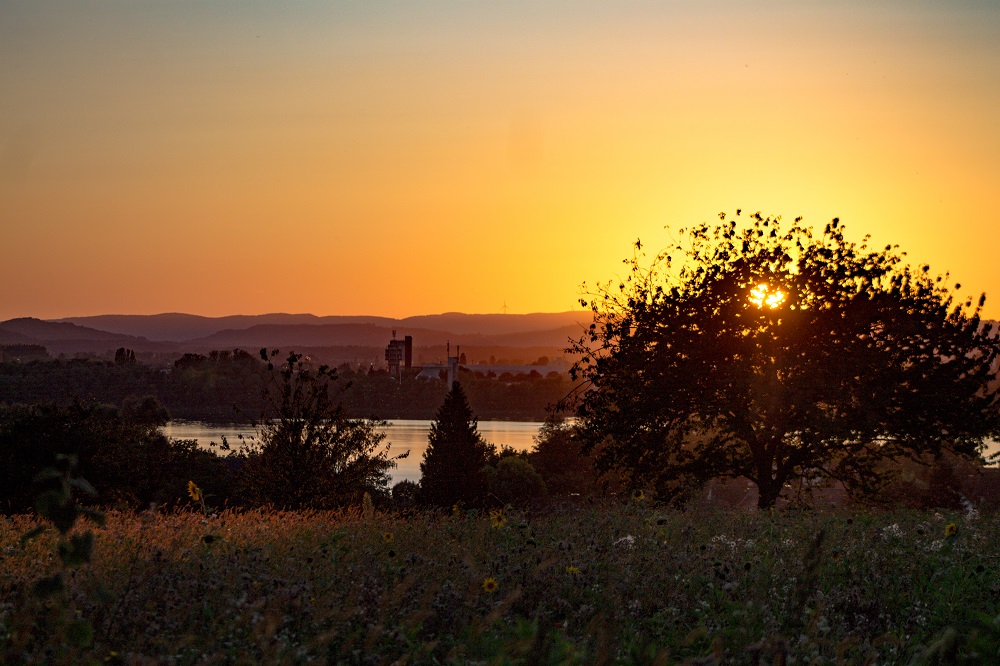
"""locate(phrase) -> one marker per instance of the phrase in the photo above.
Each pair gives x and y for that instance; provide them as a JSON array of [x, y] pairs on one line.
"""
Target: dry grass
[[622, 583]]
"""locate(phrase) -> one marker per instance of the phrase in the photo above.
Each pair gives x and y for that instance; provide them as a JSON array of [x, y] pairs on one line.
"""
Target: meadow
[[622, 582]]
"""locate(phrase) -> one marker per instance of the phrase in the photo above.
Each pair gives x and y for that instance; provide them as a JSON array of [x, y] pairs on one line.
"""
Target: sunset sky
[[405, 158]]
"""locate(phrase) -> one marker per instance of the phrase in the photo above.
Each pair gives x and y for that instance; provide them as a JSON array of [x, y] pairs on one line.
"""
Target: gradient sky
[[404, 158]]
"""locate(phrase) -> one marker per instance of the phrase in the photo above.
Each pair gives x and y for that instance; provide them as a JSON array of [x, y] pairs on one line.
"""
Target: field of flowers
[[614, 583]]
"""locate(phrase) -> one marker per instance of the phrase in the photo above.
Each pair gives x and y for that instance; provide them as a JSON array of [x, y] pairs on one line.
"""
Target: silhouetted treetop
[[748, 349]]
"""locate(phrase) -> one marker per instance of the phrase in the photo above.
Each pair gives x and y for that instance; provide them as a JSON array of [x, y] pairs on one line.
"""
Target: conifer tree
[[452, 468]]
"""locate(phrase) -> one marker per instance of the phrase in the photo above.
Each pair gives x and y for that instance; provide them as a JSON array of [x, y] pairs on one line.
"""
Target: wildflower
[[572, 570], [626, 541], [950, 530], [388, 537], [194, 491], [454, 511], [638, 495], [893, 531], [497, 519], [490, 585]]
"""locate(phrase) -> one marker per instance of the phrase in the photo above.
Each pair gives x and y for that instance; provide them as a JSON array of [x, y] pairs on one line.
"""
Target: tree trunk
[[768, 490]]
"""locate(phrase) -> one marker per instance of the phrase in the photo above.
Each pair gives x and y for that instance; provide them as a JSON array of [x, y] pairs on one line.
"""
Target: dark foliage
[[947, 482], [222, 386], [513, 481], [558, 458], [63, 382], [226, 386], [121, 451], [748, 350], [452, 469], [404, 495], [308, 454]]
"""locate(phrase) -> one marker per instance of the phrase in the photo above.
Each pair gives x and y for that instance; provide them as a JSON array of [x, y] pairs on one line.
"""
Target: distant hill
[[302, 335], [166, 334], [63, 337], [14, 338], [370, 335], [498, 324], [178, 327], [46, 330]]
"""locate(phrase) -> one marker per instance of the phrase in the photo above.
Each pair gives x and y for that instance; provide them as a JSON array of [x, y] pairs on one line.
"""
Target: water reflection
[[403, 435]]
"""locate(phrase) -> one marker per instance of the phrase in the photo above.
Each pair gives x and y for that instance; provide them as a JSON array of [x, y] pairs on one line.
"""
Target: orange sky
[[416, 157]]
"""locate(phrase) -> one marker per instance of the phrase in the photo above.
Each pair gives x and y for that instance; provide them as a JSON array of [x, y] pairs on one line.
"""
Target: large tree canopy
[[750, 350]]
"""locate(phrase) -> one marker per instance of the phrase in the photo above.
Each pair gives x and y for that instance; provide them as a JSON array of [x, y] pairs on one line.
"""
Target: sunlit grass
[[624, 583]]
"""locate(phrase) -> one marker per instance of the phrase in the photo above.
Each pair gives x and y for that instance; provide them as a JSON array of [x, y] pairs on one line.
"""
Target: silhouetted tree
[[513, 481], [558, 458], [452, 468], [310, 454], [124, 356], [404, 495], [747, 350]]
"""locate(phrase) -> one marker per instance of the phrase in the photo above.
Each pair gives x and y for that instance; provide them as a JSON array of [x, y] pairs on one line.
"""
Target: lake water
[[403, 435]]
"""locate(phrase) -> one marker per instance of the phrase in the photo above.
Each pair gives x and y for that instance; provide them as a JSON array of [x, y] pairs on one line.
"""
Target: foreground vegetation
[[612, 583]]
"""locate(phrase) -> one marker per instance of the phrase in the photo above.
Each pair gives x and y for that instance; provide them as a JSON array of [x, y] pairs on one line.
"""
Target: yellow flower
[[490, 585], [388, 537], [950, 530], [194, 491], [497, 519], [572, 571], [638, 495]]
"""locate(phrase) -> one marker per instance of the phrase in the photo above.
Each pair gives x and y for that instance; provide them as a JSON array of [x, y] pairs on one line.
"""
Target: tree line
[[307, 453], [228, 386]]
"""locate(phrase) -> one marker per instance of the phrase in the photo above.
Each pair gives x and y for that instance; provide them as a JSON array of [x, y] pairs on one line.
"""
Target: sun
[[763, 296]]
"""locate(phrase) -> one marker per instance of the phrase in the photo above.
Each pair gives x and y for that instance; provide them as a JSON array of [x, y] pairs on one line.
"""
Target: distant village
[[399, 360]]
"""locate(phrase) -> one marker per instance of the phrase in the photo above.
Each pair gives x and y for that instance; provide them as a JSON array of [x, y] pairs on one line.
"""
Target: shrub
[[514, 481], [311, 454]]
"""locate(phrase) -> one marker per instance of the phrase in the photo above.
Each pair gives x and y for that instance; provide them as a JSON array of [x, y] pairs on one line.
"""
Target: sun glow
[[377, 135], [763, 296]]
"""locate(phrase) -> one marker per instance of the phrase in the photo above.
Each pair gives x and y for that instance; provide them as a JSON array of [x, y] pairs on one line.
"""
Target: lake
[[403, 435]]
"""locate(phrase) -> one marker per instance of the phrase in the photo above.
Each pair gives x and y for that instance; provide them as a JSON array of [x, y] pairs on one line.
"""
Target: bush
[[514, 481], [557, 457], [311, 455], [404, 495], [121, 451]]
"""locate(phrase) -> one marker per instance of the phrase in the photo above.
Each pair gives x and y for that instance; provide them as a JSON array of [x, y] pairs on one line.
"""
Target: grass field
[[613, 583]]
